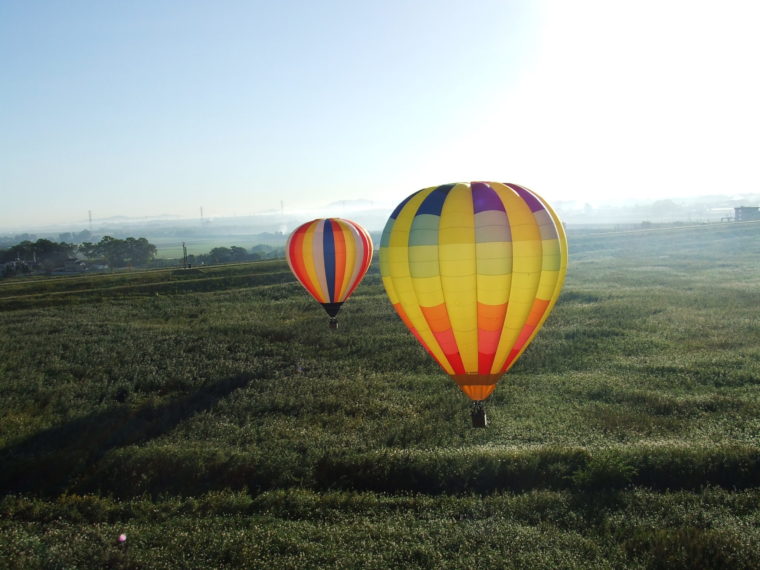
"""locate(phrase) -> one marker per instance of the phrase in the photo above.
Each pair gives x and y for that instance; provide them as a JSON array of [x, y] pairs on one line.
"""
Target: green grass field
[[171, 247], [212, 416]]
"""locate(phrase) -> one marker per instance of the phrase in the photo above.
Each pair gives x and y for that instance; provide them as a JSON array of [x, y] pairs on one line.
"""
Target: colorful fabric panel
[[329, 257], [473, 270]]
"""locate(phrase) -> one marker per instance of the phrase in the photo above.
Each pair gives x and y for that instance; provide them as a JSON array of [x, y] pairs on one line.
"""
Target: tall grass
[[130, 401]]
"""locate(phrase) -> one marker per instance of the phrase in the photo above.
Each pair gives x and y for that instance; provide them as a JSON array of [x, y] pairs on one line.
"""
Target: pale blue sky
[[152, 107]]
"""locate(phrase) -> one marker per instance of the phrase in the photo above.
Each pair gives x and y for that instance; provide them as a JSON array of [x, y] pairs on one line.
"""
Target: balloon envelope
[[329, 257], [473, 270]]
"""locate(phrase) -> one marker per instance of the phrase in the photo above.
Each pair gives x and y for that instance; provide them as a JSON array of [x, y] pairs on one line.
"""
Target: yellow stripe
[[349, 237], [526, 270], [308, 255], [494, 289], [459, 272], [557, 277], [403, 289]]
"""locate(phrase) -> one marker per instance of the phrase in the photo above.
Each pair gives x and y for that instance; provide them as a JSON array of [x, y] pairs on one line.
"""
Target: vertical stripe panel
[[314, 250], [526, 271], [397, 279], [309, 262], [328, 244], [459, 272], [552, 276], [350, 265], [494, 270], [296, 260]]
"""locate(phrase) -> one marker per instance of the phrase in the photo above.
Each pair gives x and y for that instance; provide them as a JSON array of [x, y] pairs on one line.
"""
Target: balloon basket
[[333, 323], [478, 415]]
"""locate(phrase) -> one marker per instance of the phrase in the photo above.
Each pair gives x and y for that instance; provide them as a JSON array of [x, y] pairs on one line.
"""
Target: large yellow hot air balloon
[[473, 270], [329, 257]]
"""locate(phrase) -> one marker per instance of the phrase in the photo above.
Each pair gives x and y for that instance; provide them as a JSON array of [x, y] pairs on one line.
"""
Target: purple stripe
[[533, 203], [485, 198]]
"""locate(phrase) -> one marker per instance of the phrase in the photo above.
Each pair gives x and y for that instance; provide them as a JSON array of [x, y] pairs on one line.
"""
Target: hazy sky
[[152, 107]]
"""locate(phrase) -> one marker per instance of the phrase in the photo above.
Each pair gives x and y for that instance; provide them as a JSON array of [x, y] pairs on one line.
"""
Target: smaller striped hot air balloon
[[329, 257]]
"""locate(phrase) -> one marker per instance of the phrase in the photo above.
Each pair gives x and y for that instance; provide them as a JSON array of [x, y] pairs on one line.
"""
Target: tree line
[[236, 254], [47, 256]]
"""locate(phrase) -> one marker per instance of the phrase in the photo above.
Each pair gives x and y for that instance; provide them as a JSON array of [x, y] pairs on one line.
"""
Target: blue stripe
[[396, 212], [433, 203], [329, 252]]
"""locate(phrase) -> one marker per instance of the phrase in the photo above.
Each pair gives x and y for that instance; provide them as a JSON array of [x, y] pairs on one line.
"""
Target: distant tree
[[120, 252], [22, 251], [89, 250], [238, 253], [113, 250], [46, 254], [139, 251], [261, 250], [264, 251], [219, 255], [14, 268], [276, 253], [42, 251]]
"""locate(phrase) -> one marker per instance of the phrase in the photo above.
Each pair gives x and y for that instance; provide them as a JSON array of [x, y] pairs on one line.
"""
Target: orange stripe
[[295, 256], [437, 317], [491, 317], [536, 312], [438, 320], [519, 343], [477, 393], [405, 319], [490, 324]]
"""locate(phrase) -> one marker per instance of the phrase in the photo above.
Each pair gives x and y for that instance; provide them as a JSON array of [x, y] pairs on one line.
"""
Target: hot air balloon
[[329, 256], [473, 270]]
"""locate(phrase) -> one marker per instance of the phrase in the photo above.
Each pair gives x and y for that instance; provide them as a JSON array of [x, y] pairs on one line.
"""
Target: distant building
[[747, 213], [74, 265]]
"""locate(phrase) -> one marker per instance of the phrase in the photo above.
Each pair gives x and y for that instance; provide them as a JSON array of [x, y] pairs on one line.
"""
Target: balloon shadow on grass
[[51, 461]]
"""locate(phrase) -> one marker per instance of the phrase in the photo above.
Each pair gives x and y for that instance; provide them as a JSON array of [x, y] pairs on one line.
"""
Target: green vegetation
[[212, 416], [43, 253], [120, 252]]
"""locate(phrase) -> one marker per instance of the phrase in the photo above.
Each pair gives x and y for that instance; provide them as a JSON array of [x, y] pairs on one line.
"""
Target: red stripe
[[297, 262], [366, 242], [525, 333], [366, 248]]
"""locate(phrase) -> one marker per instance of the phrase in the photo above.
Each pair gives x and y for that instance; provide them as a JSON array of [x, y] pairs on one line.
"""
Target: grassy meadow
[[213, 417]]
